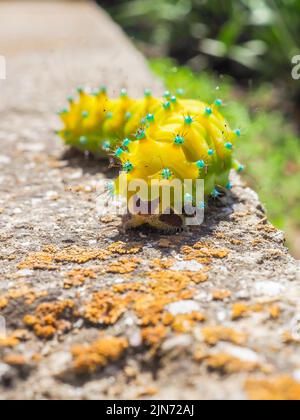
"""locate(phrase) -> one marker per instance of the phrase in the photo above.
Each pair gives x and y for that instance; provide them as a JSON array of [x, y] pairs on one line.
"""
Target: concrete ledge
[[210, 313]]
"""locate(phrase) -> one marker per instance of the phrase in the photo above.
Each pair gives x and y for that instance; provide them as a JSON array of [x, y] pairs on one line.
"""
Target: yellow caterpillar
[[154, 139]]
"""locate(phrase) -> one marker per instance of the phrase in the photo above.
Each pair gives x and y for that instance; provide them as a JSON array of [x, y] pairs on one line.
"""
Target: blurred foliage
[[253, 41], [243, 38], [269, 147]]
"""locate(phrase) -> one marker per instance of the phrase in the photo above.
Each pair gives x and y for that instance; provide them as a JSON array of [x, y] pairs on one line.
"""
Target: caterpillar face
[[155, 139], [144, 213]]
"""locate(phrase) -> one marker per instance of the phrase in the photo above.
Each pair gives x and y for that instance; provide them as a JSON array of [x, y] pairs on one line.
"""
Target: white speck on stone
[[4, 369], [296, 375], [76, 175], [129, 321], [119, 280], [182, 307], [270, 288], [187, 265], [243, 294], [17, 211], [59, 362], [35, 202], [79, 324], [244, 354], [52, 195], [221, 315], [31, 147], [223, 269], [4, 160], [25, 273], [203, 297], [183, 341], [135, 338]]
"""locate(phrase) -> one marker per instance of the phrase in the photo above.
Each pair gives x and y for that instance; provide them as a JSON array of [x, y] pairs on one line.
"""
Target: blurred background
[[240, 51]]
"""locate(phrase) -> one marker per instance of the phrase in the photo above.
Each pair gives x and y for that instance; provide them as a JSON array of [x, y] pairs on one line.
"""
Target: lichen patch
[[93, 357]]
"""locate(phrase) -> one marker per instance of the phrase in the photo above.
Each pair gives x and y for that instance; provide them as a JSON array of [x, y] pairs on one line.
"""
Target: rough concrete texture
[[210, 313]]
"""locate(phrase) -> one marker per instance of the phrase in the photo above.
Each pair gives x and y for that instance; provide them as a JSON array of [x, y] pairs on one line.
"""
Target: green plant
[[244, 38]]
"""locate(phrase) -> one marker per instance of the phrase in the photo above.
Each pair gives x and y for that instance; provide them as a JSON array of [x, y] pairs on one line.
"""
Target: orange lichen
[[3, 303], [234, 241], [197, 278], [274, 311], [280, 388], [123, 265], [50, 257], [266, 228], [15, 360], [44, 331], [8, 257], [184, 323], [105, 307], [212, 335], [227, 364], [91, 358], [150, 308], [220, 295], [203, 253], [30, 320], [168, 282], [191, 254], [240, 214], [208, 250], [28, 295], [164, 288], [75, 254], [199, 354], [161, 264], [147, 299], [122, 248], [273, 254], [149, 391], [288, 338], [241, 310], [38, 261], [37, 358], [130, 287], [21, 335], [10, 341], [77, 277], [50, 318], [258, 241], [220, 235], [153, 336], [176, 280]]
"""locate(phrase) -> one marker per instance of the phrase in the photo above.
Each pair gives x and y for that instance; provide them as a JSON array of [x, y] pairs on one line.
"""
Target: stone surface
[[69, 279]]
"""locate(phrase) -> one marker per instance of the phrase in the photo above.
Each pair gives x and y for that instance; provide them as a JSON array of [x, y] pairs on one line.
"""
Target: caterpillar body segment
[[155, 139], [96, 124]]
